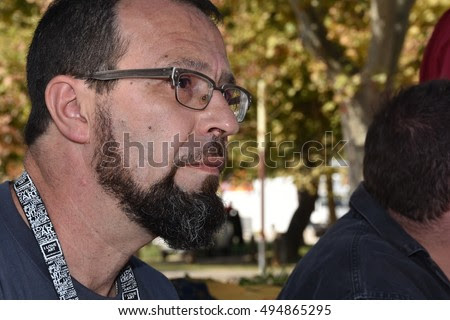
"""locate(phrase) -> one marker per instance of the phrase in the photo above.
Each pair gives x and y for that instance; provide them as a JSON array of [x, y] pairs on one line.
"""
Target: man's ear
[[62, 96]]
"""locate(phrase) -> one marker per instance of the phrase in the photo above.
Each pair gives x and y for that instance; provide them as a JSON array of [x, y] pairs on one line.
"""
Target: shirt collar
[[381, 221]]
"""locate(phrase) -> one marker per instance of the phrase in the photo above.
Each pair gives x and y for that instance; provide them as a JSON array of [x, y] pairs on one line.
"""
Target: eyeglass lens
[[238, 101], [195, 92]]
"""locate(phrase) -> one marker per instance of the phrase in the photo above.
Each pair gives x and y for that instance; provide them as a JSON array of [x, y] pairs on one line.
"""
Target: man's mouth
[[212, 164], [211, 160]]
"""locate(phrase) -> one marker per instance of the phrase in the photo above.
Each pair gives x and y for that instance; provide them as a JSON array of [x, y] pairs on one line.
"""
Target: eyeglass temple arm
[[132, 73]]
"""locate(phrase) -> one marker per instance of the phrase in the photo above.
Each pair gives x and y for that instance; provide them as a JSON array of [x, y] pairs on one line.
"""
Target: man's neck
[[434, 236], [97, 238]]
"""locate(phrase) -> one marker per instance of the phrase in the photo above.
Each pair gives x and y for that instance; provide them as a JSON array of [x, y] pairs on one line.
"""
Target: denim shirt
[[366, 255]]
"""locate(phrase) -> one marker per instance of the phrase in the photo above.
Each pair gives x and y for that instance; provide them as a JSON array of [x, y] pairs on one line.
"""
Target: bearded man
[[132, 104]]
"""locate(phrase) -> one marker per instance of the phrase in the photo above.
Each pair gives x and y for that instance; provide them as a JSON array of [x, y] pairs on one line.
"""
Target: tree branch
[[313, 35], [389, 24]]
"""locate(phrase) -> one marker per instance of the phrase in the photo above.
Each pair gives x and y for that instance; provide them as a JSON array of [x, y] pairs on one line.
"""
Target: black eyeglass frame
[[170, 73]]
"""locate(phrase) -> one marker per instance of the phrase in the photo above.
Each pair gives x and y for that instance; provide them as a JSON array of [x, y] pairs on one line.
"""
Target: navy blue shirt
[[366, 255], [24, 274]]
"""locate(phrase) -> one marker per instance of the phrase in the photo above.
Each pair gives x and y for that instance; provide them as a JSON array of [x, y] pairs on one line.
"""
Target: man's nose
[[218, 118]]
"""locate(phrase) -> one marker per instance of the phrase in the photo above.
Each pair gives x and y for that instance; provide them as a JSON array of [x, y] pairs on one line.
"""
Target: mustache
[[210, 152]]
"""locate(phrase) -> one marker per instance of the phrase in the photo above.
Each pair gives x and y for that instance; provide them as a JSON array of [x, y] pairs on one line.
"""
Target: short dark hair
[[407, 152], [78, 37]]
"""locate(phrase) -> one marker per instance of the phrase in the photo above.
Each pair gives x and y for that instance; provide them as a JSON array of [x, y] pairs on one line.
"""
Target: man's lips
[[209, 163], [214, 161]]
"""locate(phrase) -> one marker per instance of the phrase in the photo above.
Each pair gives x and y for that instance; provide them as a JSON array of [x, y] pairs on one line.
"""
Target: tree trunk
[[388, 25], [292, 240], [355, 123], [330, 199]]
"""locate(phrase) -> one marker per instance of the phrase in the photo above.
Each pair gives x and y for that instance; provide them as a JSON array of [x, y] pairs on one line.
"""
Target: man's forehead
[[162, 10], [172, 34]]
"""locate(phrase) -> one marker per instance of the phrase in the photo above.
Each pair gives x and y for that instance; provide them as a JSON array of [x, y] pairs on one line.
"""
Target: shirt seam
[[356, 283]]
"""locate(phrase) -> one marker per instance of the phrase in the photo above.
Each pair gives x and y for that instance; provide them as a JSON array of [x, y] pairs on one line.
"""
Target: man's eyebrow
[[201, 66], [197, 65]]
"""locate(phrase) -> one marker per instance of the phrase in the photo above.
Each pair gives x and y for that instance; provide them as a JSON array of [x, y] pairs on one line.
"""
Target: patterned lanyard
[[45, 235]]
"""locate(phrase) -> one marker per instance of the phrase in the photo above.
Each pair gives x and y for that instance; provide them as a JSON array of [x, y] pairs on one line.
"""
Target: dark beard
[[184, 220]]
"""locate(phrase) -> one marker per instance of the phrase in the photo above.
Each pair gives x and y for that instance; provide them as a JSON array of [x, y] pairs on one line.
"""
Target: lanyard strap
[[45, 235]]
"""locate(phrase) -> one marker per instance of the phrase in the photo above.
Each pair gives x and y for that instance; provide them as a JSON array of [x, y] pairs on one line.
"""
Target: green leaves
[[296, 82], [306, 93], [17, 21]]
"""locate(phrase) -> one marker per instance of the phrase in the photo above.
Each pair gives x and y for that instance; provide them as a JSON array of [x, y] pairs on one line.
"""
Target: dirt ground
[[222, 283], [230, 291]]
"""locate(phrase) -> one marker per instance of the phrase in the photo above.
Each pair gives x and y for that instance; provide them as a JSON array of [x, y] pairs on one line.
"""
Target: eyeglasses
[[193, 89]]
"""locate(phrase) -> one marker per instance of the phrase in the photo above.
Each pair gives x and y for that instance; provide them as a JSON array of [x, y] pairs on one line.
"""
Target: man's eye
[[184, 82]]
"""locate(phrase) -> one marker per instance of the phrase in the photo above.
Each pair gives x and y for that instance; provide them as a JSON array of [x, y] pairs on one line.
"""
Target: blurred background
[[317, 70]]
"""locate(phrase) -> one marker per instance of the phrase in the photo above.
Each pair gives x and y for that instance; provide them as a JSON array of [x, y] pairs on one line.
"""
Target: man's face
[[186, 220], [171, 155]]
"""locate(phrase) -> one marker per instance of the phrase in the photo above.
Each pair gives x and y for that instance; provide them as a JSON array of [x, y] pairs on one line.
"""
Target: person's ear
[[63, 96]]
